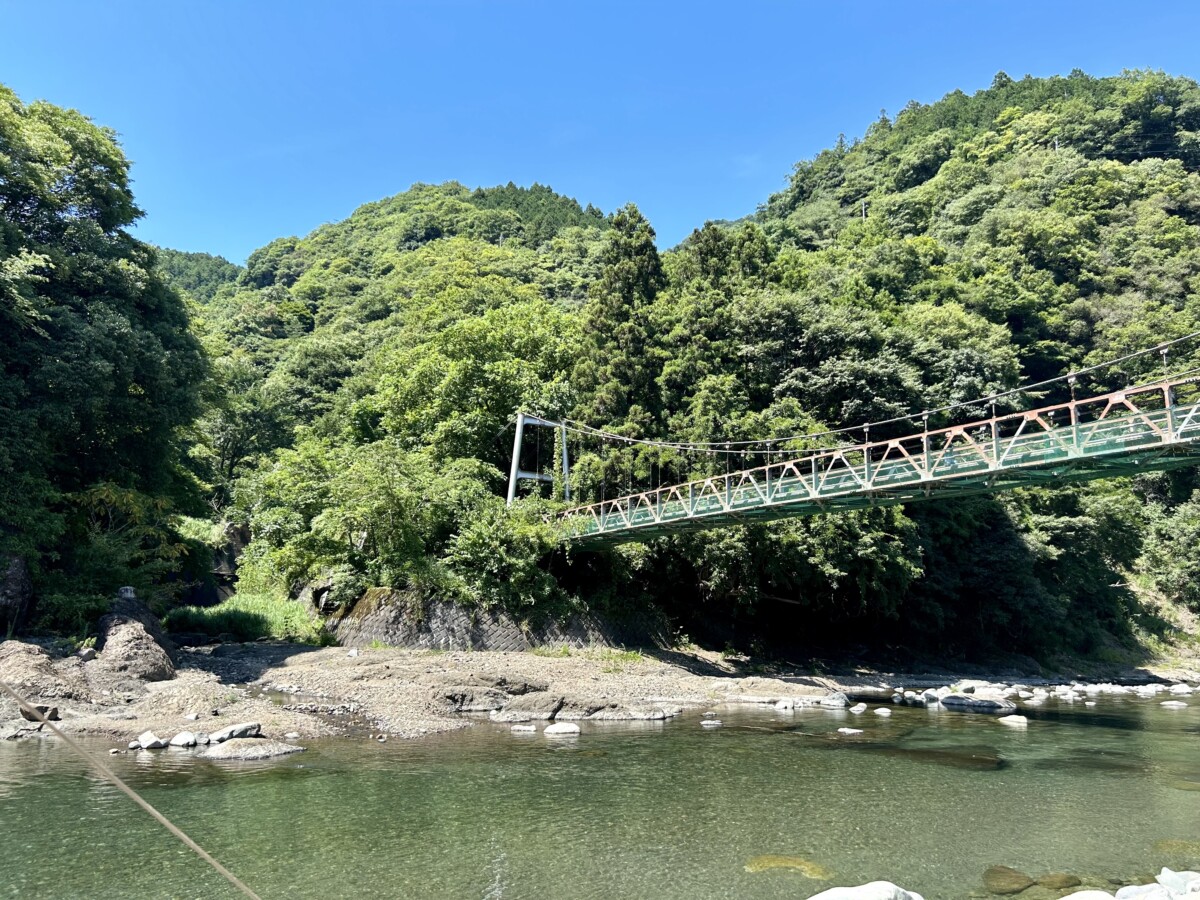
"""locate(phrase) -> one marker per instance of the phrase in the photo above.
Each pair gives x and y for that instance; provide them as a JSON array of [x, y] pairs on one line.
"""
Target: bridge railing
[[1160, 413]]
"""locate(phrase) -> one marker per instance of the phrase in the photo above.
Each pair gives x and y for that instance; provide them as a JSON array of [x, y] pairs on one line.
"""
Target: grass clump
[[249, 617]]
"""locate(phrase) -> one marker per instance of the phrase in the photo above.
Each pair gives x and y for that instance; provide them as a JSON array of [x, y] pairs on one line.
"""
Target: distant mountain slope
[[200, 275]]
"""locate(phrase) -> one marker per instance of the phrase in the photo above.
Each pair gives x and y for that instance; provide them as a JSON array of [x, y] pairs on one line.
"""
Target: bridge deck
[[1147, 428]]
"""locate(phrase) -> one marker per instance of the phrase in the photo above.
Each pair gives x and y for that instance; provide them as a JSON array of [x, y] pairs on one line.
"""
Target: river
[[926, 798]]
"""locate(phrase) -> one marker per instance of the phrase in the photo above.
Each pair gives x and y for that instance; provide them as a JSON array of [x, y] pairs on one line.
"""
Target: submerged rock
[[1178, 848], [792, 863], [1014, 721], [980, 759], [249, 748], [1059, 881], [1006, 880]]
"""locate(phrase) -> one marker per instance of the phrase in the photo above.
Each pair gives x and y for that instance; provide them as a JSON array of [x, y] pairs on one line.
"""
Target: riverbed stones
[[523, 729], [858, 708], [561, 728], [1014, 721], [876, 890], [249, 749], [834, 700], [1006, 880], [184, 739], [241, 730], [883, 711], [86, 654]]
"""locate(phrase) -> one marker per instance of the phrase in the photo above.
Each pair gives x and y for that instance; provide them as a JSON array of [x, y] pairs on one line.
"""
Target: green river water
[[927, 799]]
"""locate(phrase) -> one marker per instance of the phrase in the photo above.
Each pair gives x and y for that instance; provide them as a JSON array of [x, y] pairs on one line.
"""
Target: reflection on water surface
[[928, 799]]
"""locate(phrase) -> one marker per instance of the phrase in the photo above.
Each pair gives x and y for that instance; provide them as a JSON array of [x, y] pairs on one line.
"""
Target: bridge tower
[[516, 473]]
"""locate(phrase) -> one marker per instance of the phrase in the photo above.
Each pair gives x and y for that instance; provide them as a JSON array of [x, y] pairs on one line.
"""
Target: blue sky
[[246, 121]]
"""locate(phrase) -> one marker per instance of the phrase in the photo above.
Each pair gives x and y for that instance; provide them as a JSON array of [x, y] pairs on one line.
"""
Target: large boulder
[[977, 703], [528, 707], [128, 606], [16, 593], [127, 647], [249, 748]]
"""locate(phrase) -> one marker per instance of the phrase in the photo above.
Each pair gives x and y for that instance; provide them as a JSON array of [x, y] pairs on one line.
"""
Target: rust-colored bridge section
[[1140, 429]]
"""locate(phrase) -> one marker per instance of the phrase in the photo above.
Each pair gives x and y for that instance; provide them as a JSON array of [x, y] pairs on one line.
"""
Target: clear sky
[[246, 121]]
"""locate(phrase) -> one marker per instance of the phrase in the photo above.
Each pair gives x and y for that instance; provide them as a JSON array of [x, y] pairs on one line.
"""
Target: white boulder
[[148, 740], [858, 708], [562, 728], [876, 890], [1013, 721], [883, 711], [184, 739]]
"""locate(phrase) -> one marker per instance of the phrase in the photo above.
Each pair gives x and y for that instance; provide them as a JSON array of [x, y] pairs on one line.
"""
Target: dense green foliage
[[99, 373], [197, 275], [363, 378]]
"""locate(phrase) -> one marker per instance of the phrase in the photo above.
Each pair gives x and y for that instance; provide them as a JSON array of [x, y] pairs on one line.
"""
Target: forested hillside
[[361, 378]]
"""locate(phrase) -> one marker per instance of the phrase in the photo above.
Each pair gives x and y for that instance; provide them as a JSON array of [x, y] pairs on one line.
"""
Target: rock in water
[[561, 728], [858, 708], [977, 704], [1173, 704], [249, 748], [184, 739], [1015, 722], [242, 730], [835, 700], [148, 740], [883, 711], [523, 729], [876, 890], [793, 863], [1059, 881], [850, 731], [1006, 880]]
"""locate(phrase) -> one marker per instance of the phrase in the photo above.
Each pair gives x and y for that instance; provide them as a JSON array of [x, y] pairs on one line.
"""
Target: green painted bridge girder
[[1124, 433]]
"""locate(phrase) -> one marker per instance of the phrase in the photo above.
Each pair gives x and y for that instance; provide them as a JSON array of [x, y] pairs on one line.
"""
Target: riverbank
[[299, 690]]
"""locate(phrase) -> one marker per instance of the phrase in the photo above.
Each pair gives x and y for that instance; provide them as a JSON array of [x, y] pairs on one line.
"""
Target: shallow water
[[927, 799]]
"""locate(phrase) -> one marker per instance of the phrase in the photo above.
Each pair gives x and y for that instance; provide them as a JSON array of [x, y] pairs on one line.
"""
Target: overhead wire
[[133, 795], [726, 446]]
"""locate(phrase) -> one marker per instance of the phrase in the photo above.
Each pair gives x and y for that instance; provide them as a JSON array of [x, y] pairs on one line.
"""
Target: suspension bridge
[[1152, 426]]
